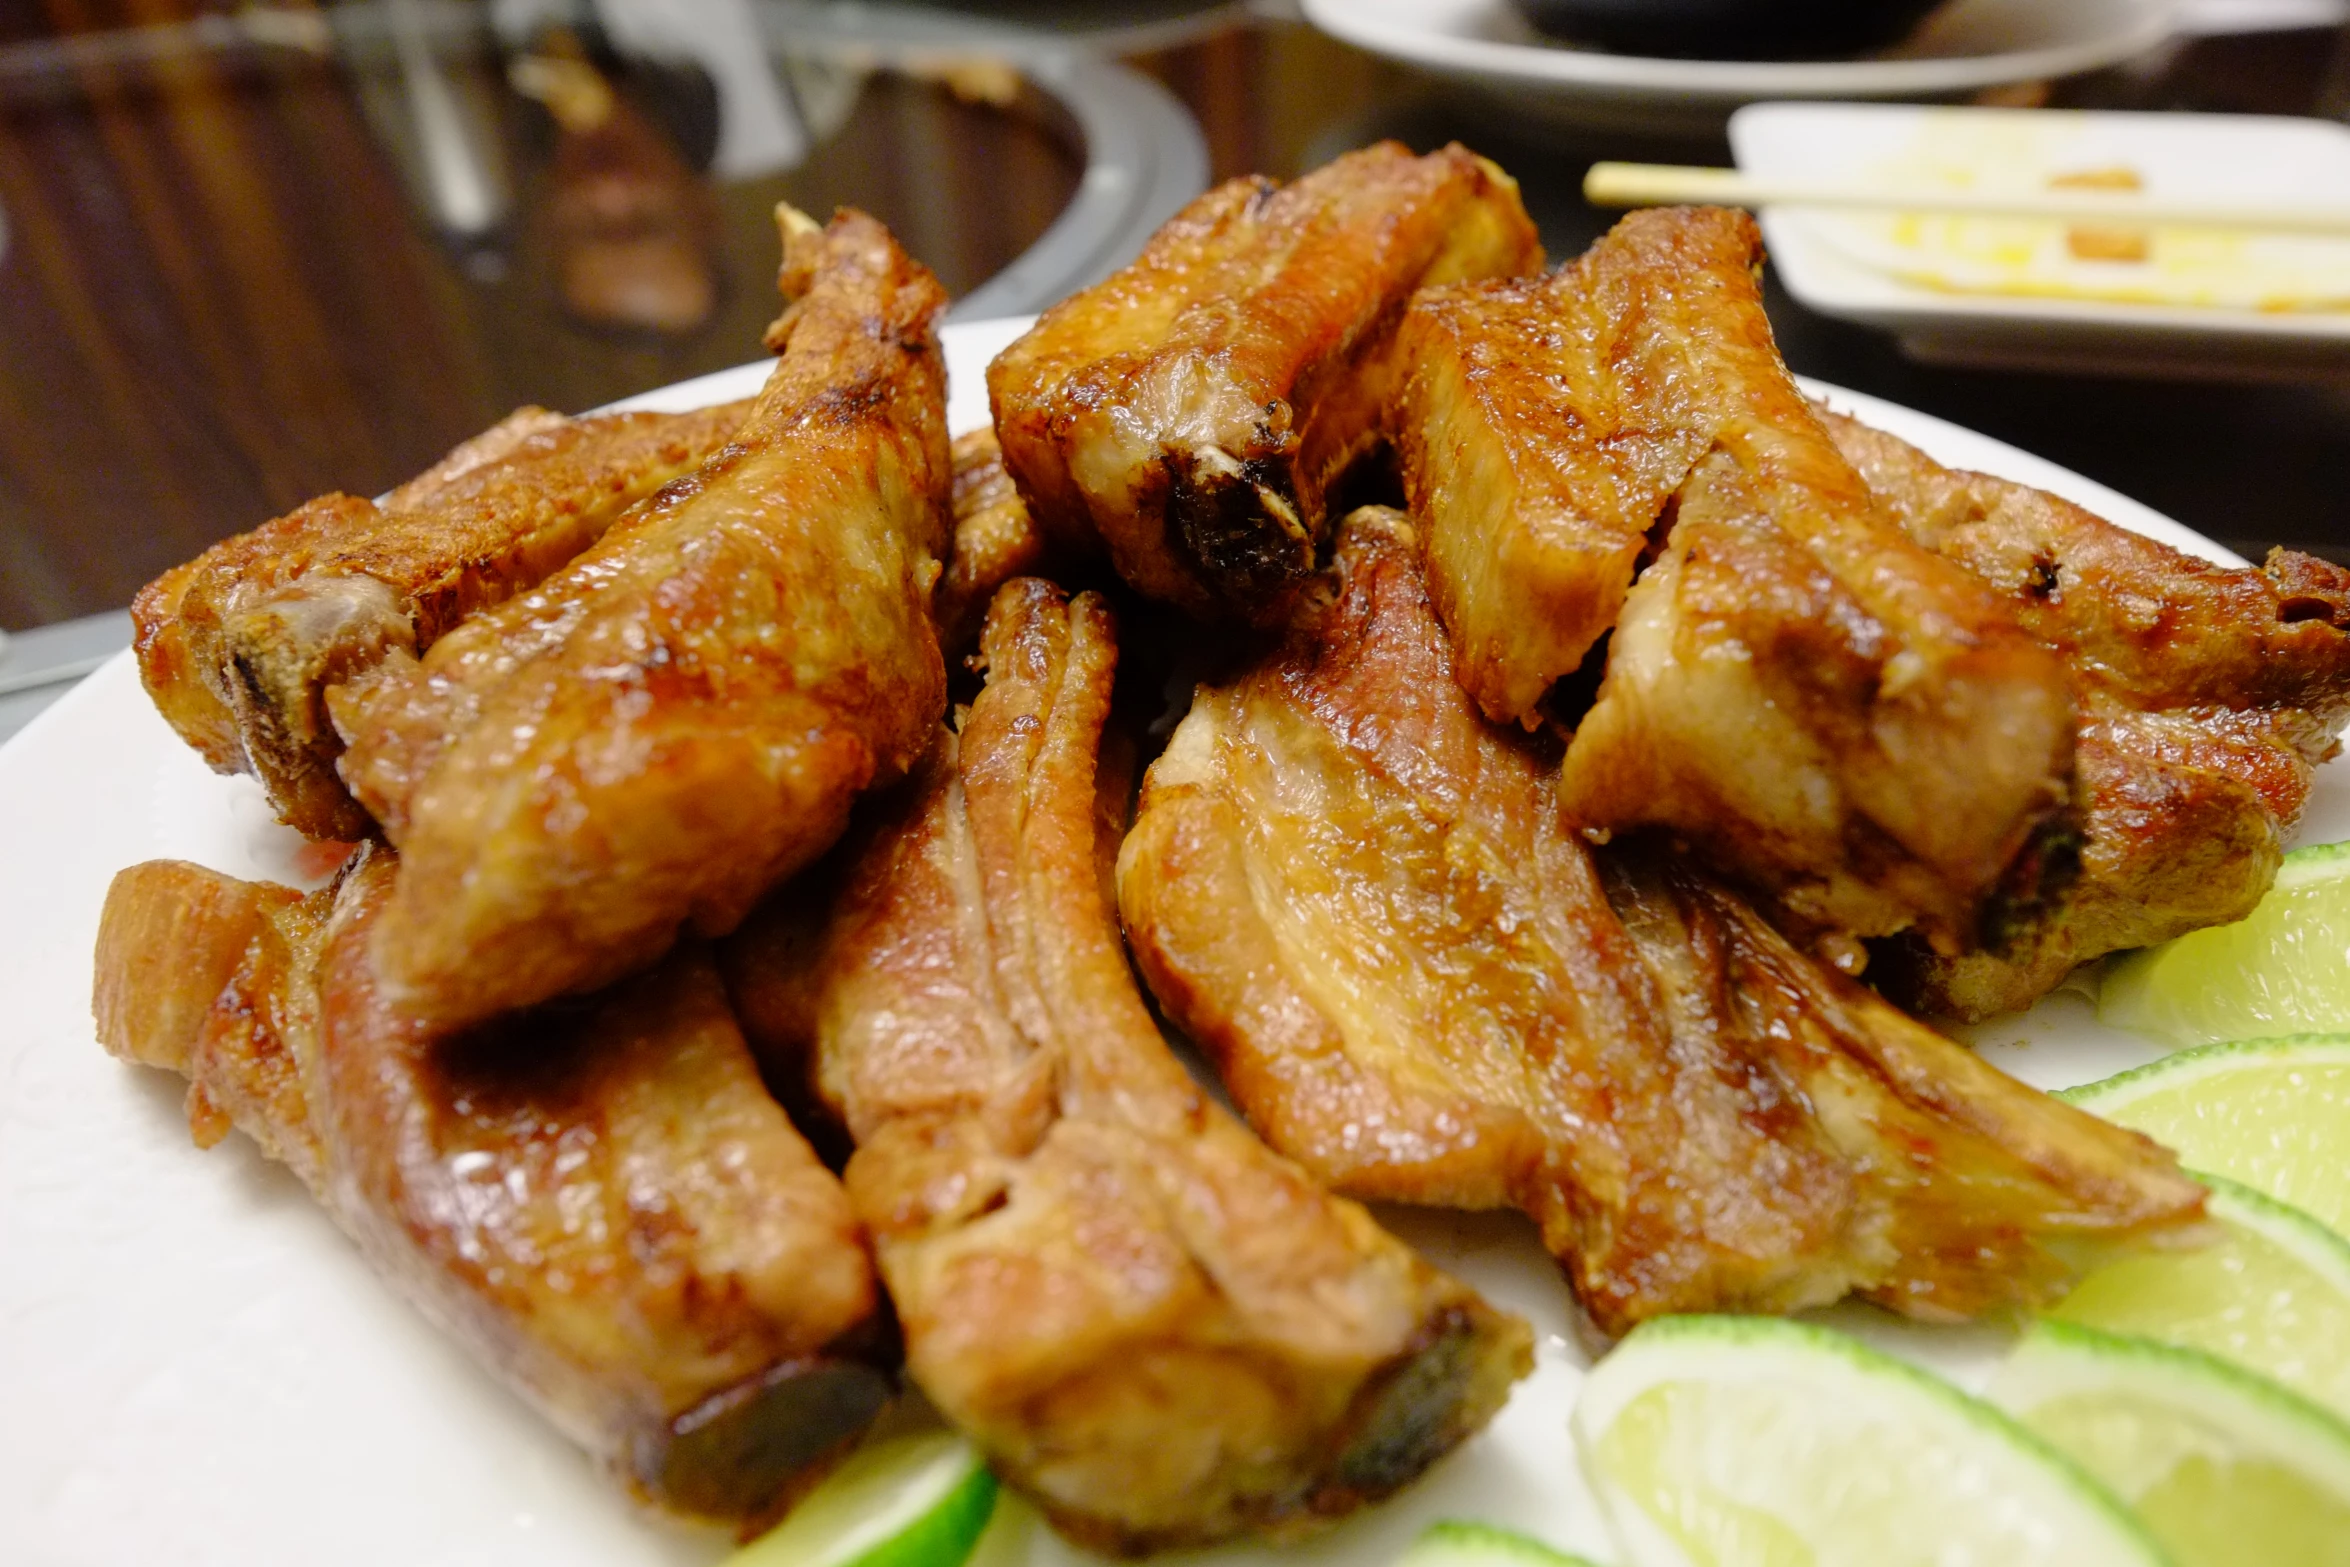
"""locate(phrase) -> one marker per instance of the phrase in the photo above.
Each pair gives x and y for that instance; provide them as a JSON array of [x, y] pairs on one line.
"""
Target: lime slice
[[1756, 1442], [2225, 1467], [914, 1501], [2278, 970], [1451, 1542], [2273, 1294], [2272, 1113]]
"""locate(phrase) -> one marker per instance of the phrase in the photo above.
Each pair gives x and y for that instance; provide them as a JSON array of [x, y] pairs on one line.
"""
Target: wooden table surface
[[217, 296], [219, 299]]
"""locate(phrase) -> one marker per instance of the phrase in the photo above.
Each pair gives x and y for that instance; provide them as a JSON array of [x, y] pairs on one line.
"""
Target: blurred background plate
[[1964, 47], [1987, 292]]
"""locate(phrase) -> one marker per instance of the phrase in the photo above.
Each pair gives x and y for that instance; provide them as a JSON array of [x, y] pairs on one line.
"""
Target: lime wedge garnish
[[2271, 1113], [1757, 1442], [2273, 1295], [2282, 969], [1452, 1542], [915, 1501], [2224, 1467]]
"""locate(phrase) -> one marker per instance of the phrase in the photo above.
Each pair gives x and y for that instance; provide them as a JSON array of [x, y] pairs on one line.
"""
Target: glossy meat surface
[[1541, 425], [2207, 693], [996, 539], [1157, 1328], [1360, 898], [680, 718], [600, 1201], [239, 646], [1831, 714], [1190, 411]]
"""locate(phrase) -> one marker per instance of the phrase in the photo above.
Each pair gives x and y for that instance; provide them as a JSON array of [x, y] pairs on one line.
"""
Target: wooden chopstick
[[1665, 184]]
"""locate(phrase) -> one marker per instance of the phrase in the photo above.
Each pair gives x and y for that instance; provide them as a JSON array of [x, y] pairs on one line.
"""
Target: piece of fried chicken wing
[[239, 646], [680, 719], [1361, 898], [2207, 694], [1190, 412], [599, 1201], [1156, 1327]]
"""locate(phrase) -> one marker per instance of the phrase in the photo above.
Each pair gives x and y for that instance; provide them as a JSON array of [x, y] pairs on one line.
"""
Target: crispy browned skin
[[1830, 713], [601, 1202], [996, 539], [680, 719], [239, 646], [1156, 1327], [2207, 695], [1360, 898], [1541, 427], [1192, 410]]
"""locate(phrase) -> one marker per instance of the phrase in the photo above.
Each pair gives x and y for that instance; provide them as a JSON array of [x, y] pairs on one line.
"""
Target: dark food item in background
[[1822, 709], [1359, 897], [680, 719], [1190, 412], [634, 230], [239, 646], [599, 1200], [1732, 29], [1163, 1332], [2207, 695], [996, 539]]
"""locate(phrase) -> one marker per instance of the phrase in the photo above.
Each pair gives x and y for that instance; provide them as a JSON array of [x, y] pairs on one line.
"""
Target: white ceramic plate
[[1965, 47], [195, 1368], [1947, 292]]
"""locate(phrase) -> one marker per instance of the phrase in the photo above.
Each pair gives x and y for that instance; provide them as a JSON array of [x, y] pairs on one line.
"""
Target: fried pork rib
[[1541, 426], [1838, 718], [1362, 900], [601, 1201], [239, 646], [2207, 695], [680, 718], [1192, 410], [1159, 1329], [996, 539]]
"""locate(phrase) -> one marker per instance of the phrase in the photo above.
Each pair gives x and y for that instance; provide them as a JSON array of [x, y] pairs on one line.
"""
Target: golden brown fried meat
[[238, 646], [996, 539], [2133, 617], [2207, 694], [601, 1202], [1361, 899], [1541, 430], [1160, 1330], [1830, 713], [1191, 411], [680, 719]]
